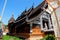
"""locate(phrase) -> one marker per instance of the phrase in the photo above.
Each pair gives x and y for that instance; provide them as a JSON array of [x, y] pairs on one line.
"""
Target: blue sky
[[16, 7]]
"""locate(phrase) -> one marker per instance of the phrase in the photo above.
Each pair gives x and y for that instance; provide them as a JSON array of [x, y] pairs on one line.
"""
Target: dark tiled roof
[[31, 13], [24, 13]]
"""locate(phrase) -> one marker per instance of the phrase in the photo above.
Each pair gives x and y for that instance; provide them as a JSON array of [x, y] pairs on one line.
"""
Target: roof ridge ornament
[[33, 5]]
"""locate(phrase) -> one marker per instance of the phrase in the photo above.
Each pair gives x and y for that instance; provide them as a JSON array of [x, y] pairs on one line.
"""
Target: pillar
[[41, 23], [30, 27]]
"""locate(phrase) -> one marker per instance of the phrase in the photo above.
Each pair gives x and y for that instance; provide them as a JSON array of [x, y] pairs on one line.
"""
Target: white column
[[50, 26], [41, 23], [46, 26], [30, 27]]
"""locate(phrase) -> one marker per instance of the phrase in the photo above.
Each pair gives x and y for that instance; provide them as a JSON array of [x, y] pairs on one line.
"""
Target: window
[[45, 20], [45, 23]]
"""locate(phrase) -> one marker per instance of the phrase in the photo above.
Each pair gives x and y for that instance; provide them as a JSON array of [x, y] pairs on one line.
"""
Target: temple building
[[35, 22]]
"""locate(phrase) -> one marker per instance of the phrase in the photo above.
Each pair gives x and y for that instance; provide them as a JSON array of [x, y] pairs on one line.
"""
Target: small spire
[[12, 13], [25, 10], [12, 16], [33, 5]]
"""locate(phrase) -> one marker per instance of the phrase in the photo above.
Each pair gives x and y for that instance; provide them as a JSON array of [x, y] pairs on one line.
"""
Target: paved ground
[[58, 38], [34, 38]]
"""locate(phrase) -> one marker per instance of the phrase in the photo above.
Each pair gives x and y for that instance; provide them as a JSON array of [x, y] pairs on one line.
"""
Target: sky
[[16, 7]]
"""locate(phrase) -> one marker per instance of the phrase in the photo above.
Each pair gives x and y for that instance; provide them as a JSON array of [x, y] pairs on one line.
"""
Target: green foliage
[[49, 37], [7, 37]]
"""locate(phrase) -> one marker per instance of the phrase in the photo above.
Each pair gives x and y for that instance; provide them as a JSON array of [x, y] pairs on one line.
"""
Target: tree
[[49, 37]]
